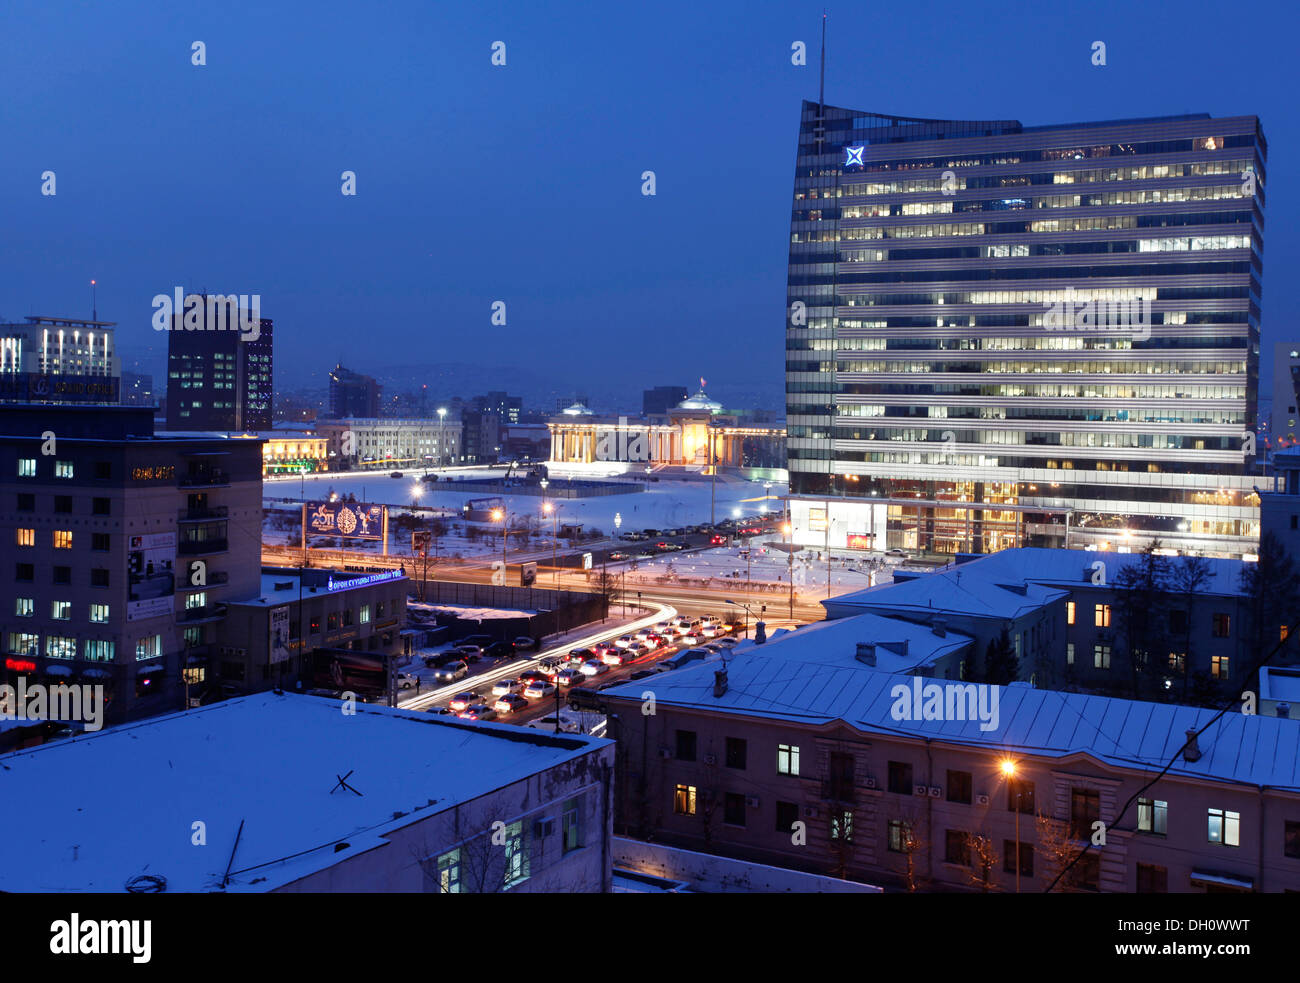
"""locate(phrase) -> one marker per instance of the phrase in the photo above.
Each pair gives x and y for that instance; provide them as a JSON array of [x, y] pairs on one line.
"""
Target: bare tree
[[983, 860], [1190, 576]]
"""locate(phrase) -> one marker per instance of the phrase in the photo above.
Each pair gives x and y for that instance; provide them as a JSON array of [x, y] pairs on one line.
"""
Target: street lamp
[[442, 434], [502, 516], [550, 509], [786, 530], [748, 613], [1009, 770]]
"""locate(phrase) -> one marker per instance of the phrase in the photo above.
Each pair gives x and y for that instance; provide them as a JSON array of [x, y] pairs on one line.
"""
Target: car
[[593, 668], [896, 552], [510, 703], [465, 700], [663, 628], [482, 641], [395, 474], [525, 643], [440, 711], [549, 668], [645, 555], [579, 656], [650, 533], [439, 659], [616, 657], [663, 547], [406, 680], [642, 674], [500, 650], [725, 643], [619, 555], [470, 653], [708, 630], [531, 675], [624, 642], [504, 687], [539, 689], [479, 711], [717, 539], [452, 672], [567, 677], [692, 637], [643, 635]]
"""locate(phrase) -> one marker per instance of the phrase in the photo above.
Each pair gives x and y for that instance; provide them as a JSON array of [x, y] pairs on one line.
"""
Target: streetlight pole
[[787, 529], [1009, 769]]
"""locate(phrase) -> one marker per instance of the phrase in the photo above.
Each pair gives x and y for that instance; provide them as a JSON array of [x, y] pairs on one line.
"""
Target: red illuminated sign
[[861, 541], [20, 665]]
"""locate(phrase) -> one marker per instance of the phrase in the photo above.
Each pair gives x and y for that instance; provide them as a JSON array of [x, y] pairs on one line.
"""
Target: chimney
[[939, 626], [719, 682], [866, 653], [1284, 710], [760, 632], [1191, 751]]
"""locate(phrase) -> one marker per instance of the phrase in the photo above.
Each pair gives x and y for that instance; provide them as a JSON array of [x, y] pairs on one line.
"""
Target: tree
[[1001, 664], [983, 861], [1190, 576], [1272, 589], [1142, 611]]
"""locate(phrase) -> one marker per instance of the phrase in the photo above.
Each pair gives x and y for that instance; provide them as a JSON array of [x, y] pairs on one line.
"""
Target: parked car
[[510, 703], [539, 688], [471, 653], [500, 650], [395, 474], [406, 680], [503, 687], [525, 643], [642, 674], [897, 552], [482, 641], [725, 643], [452, 672], [479, 711], [462, 701], [439, 659]]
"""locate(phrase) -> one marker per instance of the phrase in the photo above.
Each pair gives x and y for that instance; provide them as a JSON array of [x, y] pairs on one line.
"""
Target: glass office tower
[[1005, 335]]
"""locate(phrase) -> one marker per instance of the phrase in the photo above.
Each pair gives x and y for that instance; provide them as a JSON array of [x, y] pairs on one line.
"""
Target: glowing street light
[[1009, 770]]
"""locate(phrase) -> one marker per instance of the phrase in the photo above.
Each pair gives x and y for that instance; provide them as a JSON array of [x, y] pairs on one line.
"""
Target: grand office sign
[[352, 520]]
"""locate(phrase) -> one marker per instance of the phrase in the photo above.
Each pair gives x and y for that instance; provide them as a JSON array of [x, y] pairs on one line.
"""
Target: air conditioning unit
[[710, 759], [751, 801], [918, 790], [810, 812], [543, 827], [935, 791], [869, 782], [981, 800], [665, 752]]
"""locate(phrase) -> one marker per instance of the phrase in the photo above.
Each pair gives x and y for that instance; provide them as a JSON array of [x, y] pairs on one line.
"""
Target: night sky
[[523, 183]]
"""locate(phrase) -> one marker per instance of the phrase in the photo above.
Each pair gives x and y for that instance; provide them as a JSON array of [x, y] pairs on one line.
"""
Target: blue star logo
[[853, 155]]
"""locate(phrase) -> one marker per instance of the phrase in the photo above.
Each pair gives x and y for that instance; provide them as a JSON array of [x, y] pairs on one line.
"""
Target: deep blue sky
[[522, 183]]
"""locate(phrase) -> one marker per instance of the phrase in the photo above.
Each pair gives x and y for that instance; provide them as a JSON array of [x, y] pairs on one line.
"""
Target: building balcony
[[204, 479], [203, 547], [200, 515], [213, 579], [201, 615]]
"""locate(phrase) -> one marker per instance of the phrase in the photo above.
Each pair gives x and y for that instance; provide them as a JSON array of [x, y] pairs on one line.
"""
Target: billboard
[[861, 541], [278, 643], [527, 574], [350, 519], [363, 673], [151, 576]]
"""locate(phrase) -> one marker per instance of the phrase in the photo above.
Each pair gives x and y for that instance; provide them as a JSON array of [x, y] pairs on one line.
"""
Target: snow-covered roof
[[991, 586], [1279, 683], [96, 810], [900, 646], [1243, 749]]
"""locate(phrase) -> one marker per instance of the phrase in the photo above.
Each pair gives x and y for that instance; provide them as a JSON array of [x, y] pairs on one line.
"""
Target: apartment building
[[803, 757]]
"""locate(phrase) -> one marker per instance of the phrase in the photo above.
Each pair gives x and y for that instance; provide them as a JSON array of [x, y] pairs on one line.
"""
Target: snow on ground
[[666, 504], [469, 613], [766, 565]]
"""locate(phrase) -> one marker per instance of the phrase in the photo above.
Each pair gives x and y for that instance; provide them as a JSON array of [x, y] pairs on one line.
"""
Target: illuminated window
[[1225, 827], [61, 610], [787, 759], [24, 607], [1219, 666], [516, 854], [24, 643], [1069, 612], [26, 537], [99, 651], [27, 467], [60, 647], [684, 800], [449, 872], [1153, 816], [1101, 656], [1101, 615], [63, 469], [1069, 653], [63, 539], [149, 647]]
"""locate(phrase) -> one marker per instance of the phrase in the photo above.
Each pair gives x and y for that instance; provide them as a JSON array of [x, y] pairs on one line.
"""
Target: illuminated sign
[[371, 578], [20, 665], [853, 156], [861, 540], [350, 519], [165, 472], [817, 520]]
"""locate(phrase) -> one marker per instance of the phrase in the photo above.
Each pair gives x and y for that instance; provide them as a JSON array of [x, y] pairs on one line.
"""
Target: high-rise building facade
[[352, 394], [59, 360], [219, 378], [1286, 387], [1044, 336]]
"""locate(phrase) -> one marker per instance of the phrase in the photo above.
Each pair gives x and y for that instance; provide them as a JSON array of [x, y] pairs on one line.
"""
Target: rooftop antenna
[[821, 92], [94, 301]]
